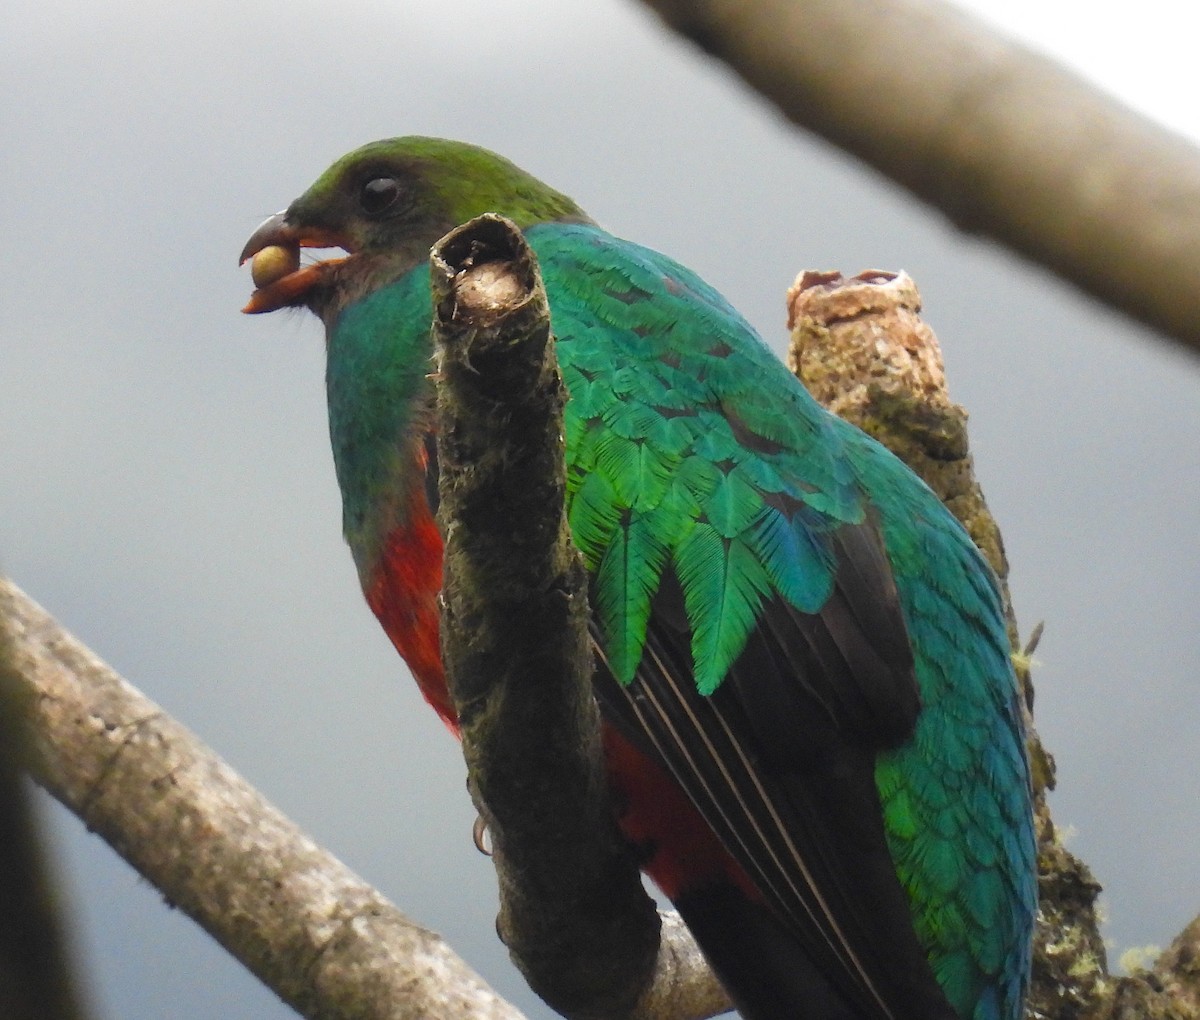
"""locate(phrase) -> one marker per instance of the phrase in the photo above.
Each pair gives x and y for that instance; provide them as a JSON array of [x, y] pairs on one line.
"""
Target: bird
[[811, 726]]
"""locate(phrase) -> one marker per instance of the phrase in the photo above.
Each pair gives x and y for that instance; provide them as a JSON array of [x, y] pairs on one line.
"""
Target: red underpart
[[654, 814], [403, 593]]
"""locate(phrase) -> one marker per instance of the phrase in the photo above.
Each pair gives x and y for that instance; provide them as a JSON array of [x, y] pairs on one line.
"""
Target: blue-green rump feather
[[956, 799]]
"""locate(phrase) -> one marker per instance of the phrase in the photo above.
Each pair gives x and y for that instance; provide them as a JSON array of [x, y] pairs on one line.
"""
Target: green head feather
[[401, 192]]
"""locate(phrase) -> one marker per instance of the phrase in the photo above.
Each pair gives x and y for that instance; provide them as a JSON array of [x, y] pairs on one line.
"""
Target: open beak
[[288, 285]]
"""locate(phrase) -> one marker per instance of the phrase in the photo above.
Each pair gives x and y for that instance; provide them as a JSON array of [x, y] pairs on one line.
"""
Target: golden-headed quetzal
[[811, 724]]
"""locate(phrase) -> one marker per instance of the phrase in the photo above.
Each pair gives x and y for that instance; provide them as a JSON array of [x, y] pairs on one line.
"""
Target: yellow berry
[[273, 263]]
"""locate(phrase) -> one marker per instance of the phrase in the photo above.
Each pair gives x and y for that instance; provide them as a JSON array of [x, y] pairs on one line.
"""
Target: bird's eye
[[378, 194]]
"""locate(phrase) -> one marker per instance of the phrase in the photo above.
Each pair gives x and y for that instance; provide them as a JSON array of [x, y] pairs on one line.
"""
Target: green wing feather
[[678, 447]]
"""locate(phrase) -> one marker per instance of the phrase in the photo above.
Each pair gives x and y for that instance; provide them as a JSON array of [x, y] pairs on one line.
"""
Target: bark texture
[[308, 927], [517, 652], [862, 349], [36, 981]]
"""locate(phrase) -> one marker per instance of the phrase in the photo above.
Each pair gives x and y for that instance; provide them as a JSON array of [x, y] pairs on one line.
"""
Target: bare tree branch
[[518, 657], [1003, 141], [308, 927]]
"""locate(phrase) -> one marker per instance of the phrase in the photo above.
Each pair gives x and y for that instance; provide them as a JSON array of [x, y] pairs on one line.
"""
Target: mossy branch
[[862, 349], [517, 651]]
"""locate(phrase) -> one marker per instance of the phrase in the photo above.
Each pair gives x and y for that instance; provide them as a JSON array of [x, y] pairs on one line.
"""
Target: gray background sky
[[165, 481]]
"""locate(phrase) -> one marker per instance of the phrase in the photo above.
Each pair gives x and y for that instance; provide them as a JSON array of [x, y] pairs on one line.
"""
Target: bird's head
[[385, 205]]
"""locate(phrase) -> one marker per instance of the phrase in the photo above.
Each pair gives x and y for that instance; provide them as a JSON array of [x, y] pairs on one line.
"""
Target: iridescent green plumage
[[787, 619], [699, 451]]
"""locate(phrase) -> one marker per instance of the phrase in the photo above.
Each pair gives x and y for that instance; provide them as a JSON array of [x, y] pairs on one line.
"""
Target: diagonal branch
[[308, 927], [1003, 141]]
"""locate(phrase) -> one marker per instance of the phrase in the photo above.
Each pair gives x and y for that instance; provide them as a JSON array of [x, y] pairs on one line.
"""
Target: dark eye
[[378, 194]]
